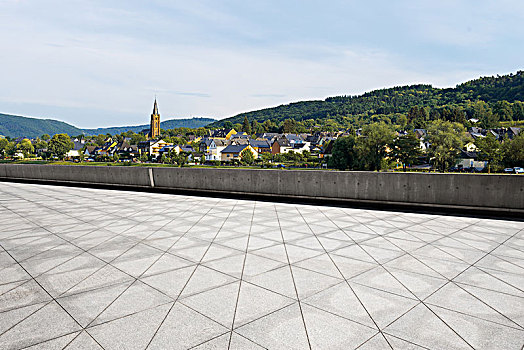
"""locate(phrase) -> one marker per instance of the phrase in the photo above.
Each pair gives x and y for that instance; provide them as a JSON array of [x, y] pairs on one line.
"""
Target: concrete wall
[[462, 190]]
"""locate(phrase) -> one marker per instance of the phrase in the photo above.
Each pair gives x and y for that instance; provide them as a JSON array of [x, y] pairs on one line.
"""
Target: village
[[475, 150]]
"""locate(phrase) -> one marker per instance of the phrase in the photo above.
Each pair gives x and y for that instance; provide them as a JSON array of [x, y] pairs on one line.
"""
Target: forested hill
[[400, 99], [15, 126]]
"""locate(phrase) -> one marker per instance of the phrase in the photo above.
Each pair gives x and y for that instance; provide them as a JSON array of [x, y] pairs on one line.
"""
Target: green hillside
[[401, 99], [15, 126]]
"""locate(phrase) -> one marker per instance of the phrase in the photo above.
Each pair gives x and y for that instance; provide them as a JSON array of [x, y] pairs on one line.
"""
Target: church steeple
[[154, 130], [155, 108]]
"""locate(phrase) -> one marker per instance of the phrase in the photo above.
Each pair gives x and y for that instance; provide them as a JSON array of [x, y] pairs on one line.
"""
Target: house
[[281, 145], [301, 147], [224, 134], [293, 138], [421, 135], [127, 151], [269, 136], [327, 148], [90, 151], [233, 151], [239, 135], [470, 143], [152, 147], [468, 160], [261, 146], [176, 148], [212, 148]]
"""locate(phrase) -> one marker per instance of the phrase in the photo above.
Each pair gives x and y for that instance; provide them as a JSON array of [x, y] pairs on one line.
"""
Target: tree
[[503, 110], [289, 126], [99, 139], [3, 146], [247, 156], [513, 151], [372, 146], [418, 117], [256, 128], [406, 149], [136, 138], [116, 157], [446, 139], [46, 137], [489, 149], [343, 155], [246, 127], [59, 145], [402, 121], [25, 147], [482, 111], [518, 110], [40, 144], [143, 158]]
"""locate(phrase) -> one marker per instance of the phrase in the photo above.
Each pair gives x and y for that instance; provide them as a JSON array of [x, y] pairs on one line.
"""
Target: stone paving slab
[[88, 268]]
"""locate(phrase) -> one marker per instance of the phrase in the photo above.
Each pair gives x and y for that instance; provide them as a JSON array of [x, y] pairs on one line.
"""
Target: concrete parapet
[[502, 192]]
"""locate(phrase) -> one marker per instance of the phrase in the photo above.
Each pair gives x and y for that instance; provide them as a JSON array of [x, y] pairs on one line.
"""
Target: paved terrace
[[103, 269]]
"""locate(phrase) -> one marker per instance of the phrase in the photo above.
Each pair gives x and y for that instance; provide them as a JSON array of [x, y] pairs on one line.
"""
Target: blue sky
[[97, 63]]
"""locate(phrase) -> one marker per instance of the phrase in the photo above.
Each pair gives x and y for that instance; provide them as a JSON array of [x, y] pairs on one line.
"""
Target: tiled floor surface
[[101, 269]]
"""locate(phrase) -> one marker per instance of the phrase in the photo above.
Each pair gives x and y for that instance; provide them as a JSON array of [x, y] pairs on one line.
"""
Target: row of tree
[[57, 146], [379, 147]]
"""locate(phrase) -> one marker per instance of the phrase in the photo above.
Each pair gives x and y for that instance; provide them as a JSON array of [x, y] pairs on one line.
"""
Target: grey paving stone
[[383, 307], [453, 297], [12, 317], [83, 341], [482, 334], [167, 262], [171, 282], [255, 265], [218, 304], [184, 328], [133, 332], [283, 329], [398, 343], [328, 331], [255, 302], [54, 344], [204, 279], [278, 280], [103, 277], [340, 300], [85, 307], [139, 296], [30, 330], [421, 326], [309, 282], [16, 295], [509, 305], [123, 287]]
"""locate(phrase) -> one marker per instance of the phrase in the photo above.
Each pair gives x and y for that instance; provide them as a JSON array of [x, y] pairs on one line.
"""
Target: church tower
[[154, 130]]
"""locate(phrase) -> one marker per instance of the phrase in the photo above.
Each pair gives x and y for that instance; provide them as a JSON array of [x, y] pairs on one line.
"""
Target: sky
[[98, 63]]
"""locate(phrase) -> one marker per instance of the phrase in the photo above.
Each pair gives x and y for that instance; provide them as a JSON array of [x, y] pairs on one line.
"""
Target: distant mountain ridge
[[16, 126]]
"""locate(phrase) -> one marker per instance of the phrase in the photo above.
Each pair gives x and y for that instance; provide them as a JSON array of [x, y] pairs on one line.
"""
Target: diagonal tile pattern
[[104, 269]]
